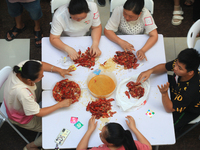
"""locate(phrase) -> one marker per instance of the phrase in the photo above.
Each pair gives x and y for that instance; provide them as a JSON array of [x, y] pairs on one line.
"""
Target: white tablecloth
[[158, 130]]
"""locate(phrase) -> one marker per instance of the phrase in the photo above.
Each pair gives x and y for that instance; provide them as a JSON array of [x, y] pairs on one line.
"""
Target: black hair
[[116, 135], [78, 7], [30, 70], [135, 6], [191, 58]]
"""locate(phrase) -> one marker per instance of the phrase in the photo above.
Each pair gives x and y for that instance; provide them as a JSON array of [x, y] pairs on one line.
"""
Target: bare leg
[[37, 25], [177, 7], [176, 2], [19, 25], [37, 28]]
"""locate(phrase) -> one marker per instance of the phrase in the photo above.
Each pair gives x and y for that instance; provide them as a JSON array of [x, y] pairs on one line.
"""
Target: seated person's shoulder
[[119, 9], [92, 4], [61, 10], [145, 13]]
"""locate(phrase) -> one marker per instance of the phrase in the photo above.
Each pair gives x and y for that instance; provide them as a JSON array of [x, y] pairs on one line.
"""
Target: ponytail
[[116, 135], [30, 70], [128, 142]]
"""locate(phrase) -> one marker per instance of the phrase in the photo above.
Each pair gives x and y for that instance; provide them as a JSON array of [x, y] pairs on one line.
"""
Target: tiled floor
[[174, 40]]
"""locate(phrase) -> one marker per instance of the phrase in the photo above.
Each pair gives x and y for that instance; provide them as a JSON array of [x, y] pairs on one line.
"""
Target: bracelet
[[52, 68]]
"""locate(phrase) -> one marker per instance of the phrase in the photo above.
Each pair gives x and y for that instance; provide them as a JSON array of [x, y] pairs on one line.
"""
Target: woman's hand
[[131, 123], [126, 46], [164, 88], [92, 124], [141, 55], [72, 53], [83, 144], [95, 51], [64, 72], [65, 103]]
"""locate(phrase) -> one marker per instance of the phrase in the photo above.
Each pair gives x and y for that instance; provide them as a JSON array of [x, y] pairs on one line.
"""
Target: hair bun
[[17, 69]]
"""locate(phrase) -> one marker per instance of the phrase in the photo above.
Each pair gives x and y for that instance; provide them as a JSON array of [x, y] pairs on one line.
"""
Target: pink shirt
[[139, 146]]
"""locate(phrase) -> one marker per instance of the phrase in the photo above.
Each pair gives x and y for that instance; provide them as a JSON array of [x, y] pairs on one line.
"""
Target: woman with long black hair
[[115, 137]]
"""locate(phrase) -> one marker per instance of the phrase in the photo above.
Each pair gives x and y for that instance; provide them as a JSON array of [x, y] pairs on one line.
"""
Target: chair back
[[3, 110], [149, 4], [196, 120], [192, 33], [4, 73], [57, 3]]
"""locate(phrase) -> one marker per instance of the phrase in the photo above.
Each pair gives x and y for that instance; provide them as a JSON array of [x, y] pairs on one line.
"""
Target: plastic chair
[[149, 4], [191, 36], [4, 73], [57, 3]]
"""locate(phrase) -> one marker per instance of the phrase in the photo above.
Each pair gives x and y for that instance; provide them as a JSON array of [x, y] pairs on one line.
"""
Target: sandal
[[14, 29], [177, 16], [39, 36], [189, 3]]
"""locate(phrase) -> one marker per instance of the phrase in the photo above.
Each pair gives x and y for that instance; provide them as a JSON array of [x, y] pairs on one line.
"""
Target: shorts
[[34, 9]]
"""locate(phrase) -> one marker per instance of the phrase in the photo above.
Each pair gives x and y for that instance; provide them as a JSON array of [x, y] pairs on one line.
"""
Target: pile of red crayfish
[[127, 59], [101, 108], [135, 89], [66, 89], [85, 59]]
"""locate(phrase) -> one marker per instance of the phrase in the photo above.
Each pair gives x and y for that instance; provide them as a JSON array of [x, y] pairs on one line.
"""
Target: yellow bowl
[[102, 85]]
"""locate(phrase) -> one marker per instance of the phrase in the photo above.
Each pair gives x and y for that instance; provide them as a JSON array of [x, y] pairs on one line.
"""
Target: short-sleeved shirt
[[185, 96], [20, 99], [139, 146], [117, 22], [63, 24]]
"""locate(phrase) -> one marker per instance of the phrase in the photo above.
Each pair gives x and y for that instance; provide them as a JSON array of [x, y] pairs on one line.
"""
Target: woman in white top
[[20, 98], [132, 18], [76, 19]]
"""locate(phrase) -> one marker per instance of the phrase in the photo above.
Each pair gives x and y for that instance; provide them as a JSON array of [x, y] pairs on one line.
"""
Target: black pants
[[182, 119], [196, 10]]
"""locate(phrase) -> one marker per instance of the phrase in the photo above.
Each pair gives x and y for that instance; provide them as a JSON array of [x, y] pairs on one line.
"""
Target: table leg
[[156, 147]]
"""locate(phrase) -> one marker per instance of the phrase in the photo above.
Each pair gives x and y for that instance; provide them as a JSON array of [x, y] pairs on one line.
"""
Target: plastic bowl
[[109, 74]]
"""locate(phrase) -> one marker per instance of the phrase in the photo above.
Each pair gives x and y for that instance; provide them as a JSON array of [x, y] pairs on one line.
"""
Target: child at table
[[132, 18], [20, 97], [184, 98], [115, 137], [75, 19]]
